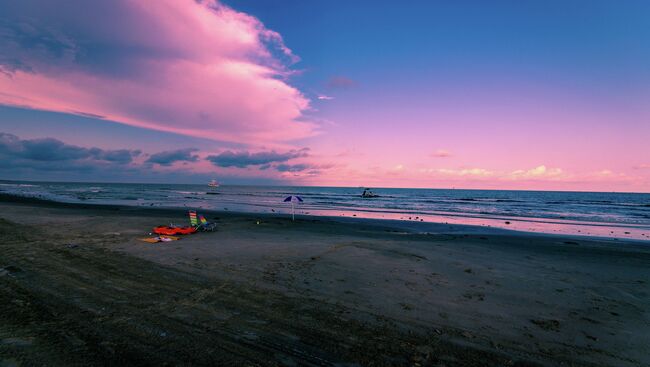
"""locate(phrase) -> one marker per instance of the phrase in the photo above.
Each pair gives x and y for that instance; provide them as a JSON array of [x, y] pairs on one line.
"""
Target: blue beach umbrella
[[293, 199]]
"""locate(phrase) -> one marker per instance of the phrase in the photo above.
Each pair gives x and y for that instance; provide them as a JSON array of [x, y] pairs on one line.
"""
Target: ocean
[[617, 215]]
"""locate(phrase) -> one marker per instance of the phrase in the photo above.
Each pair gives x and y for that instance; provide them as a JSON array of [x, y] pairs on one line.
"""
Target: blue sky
[[503, 88]]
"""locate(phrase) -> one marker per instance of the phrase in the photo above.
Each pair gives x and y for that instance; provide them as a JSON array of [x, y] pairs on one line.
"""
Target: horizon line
[[339, 187]]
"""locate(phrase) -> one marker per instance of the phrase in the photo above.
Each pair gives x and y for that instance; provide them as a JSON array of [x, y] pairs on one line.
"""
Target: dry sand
[[78, 288]]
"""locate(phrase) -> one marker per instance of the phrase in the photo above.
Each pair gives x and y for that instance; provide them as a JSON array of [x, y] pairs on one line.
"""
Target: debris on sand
[[17, 342], [467, 334], [10, 270], [591, 337], [548, 325]]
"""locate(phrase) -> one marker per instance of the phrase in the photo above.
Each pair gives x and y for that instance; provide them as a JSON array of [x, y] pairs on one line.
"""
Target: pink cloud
[[341, 82], [539, 172], [471, 172], [206, 70], [441, 153]]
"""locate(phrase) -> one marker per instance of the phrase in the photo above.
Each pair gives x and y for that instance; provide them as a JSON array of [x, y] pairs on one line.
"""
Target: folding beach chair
[[193, 221], [200, 223], [205, 225]]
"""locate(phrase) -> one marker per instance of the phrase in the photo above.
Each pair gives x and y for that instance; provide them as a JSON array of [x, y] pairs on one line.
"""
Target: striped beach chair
[[193, 221]]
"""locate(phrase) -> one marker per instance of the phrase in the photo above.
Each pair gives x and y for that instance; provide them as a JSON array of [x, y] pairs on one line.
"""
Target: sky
[[535, 95]]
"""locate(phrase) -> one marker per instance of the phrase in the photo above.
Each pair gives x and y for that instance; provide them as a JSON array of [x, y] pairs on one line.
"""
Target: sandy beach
[[77, 287]]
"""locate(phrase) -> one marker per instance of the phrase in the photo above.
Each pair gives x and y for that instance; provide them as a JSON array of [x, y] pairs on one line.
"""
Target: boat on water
[[367, 193], [213, 183]]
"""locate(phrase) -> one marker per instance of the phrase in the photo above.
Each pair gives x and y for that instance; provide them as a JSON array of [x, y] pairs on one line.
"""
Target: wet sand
[[77, 287]]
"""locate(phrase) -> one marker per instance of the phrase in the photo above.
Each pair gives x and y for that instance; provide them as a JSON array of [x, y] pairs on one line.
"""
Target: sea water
[[618, 215]]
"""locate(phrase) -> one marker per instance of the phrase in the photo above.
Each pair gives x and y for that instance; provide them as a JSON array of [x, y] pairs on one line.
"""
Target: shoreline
[[623, 215], [406, 225]]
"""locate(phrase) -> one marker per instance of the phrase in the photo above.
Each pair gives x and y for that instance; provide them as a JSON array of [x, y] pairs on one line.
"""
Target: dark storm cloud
[[166, 158], [292, 167], [245, 159], [53, 154]]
